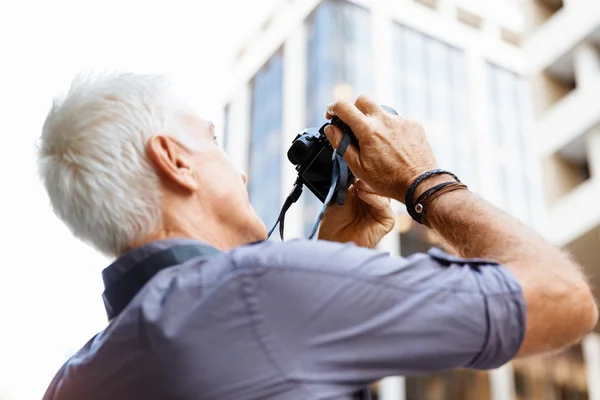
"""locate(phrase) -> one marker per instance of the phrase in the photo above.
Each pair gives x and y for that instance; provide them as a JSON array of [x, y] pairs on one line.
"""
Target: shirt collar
[[133, 257]]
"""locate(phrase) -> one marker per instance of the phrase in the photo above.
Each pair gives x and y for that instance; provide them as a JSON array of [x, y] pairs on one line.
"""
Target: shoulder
[[302, 254]]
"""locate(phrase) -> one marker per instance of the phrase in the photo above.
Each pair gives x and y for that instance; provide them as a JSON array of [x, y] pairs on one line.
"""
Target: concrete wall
[[565, 63]]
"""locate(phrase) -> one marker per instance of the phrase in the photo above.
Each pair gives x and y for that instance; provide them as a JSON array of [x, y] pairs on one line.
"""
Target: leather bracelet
[[408, 200], [430, 194]]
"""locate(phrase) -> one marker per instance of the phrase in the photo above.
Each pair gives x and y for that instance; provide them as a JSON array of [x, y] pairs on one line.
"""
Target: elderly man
[[202, 307]]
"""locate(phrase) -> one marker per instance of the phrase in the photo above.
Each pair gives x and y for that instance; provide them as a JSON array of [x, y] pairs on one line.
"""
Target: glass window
[[400, 70], [463, 143], [502, 129], [437, 74], [510, 127], [531, 185], [339, 65], [264, 173], [430, 86], [416, 84]]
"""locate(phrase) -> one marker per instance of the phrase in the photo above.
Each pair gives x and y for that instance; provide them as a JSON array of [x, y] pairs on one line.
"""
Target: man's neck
[[165, 234], [210, 231]]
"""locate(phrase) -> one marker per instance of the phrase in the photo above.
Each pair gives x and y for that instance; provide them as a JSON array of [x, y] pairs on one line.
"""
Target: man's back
[[264, 322]]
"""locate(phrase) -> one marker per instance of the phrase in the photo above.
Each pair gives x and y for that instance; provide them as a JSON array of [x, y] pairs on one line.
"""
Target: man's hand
[[393, 150], [365, 218]]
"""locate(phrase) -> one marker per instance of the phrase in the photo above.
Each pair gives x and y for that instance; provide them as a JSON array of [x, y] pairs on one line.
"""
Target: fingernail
[[328, 131]]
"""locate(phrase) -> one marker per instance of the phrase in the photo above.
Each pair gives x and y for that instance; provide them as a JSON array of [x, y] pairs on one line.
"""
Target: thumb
[[334, 135]]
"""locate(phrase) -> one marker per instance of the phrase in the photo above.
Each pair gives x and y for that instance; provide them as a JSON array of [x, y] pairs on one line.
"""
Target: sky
[[50, 283]]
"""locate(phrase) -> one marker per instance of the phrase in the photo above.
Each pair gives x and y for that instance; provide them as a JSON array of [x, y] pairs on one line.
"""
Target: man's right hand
[[393, 150]]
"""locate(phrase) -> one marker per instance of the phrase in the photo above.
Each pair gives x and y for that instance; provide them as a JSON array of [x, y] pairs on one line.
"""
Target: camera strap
[[291, 199], [339, 181]]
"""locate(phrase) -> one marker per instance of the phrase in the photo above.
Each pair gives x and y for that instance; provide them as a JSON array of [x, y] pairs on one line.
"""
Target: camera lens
[[298, 150]]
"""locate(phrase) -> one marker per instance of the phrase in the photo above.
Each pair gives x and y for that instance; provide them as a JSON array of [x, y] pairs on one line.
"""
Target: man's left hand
[[365, 218]]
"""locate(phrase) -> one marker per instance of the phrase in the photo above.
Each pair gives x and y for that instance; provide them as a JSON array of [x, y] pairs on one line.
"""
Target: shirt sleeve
[[341, 313]]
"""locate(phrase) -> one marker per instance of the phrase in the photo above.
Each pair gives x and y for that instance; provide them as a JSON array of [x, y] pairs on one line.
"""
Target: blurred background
[[508, 90]]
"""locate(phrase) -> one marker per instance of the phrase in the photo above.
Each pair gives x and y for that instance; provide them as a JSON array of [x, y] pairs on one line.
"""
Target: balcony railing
[[554, 39], [565, 220], [568, 119]]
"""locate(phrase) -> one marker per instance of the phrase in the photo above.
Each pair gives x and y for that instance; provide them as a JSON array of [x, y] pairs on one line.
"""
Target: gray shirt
[[295, 320]]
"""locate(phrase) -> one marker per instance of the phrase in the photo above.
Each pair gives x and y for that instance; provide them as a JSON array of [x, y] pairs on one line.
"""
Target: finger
[[334, 135], [374, 200], [352, 191], [351, 194], [368, 106], [360, 184], [347, 112]]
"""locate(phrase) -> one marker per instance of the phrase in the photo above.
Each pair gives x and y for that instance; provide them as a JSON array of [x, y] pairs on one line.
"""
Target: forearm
[[560, 305], [475, 228]]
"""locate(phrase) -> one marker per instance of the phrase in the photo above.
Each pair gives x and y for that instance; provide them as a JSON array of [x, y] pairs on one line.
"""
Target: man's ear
[[172, 161]]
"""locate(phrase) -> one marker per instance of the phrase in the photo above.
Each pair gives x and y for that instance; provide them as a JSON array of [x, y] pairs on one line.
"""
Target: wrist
[[427, 188], [413, 188], [429, 183]]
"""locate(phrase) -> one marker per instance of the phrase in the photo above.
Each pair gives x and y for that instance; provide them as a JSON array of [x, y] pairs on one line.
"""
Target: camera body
[[312, 154]]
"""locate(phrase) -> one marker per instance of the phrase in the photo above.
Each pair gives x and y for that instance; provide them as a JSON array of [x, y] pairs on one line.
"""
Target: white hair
[[92, 157]]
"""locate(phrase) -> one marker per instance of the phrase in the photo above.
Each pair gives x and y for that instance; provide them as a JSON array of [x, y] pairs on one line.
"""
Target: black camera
[[312, 154]]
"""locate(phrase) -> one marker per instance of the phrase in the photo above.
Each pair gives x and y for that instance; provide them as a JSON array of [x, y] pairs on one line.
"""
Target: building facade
[[454, 65], [562, 45]]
